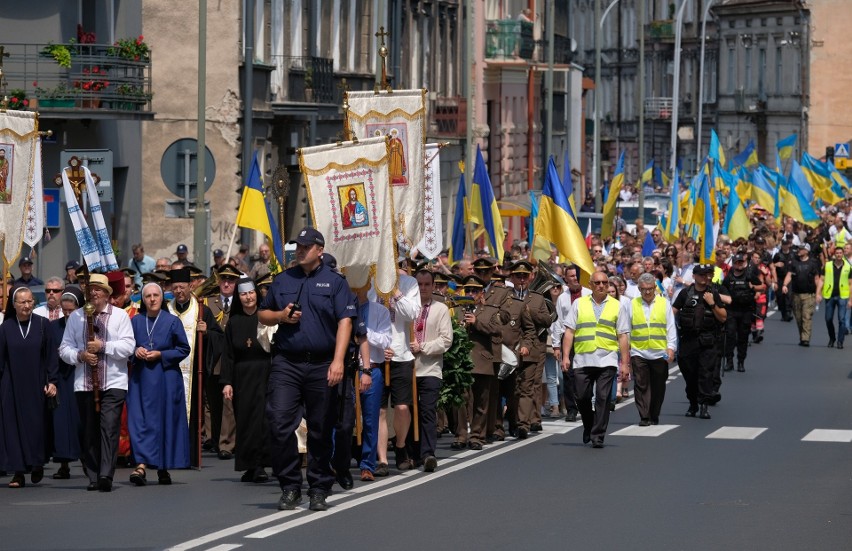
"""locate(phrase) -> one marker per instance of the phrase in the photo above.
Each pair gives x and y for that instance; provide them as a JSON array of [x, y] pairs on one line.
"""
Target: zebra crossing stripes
[[737, 433], [828, 435], [652, 430]]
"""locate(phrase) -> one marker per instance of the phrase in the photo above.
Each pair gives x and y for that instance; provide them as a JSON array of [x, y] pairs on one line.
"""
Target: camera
[[469, 309], [296, 308]]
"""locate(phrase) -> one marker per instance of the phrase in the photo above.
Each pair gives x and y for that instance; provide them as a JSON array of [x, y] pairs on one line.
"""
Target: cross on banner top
[[76, 177]]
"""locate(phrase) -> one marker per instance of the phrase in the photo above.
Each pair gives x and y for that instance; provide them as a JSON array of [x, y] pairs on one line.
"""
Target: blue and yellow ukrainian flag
[[793, 202], [557, 222], [743, 177], [460, 218], [736, 223], [648, 173], [785, 147], [748, 156], [661, 178], [672, 228], [483, 207], [716, 152], [568, 183], [612, 198], [255, 214], [704, 222], [764, 192], [819, 175]]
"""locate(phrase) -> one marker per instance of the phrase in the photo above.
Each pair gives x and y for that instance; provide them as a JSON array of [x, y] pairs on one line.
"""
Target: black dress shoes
[[318, 503], [644, 422], [840, 346], [474, 445], [704, 414], [571, 417], [104, 484], [693, 409], [587, 436], [344, 478], [741, 367], [597, 444], [225, 455], [535, 427], [523, 433], [92, 487], [289, 500], [831, 343]]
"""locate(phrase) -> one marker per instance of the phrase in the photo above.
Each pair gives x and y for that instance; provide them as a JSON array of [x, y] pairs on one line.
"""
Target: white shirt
[[600, 357], [119, 345], [44, 311], [406, 308], [430, 361], [632, 290], [563, 305], [378, 330], [671, 330], [685, 273]]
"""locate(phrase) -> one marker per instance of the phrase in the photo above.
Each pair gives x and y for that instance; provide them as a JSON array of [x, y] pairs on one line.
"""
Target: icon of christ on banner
[[398, 146], [7, 153], [353, 213]]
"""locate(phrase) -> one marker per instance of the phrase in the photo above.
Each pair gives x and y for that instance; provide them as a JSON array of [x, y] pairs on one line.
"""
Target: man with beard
[[205, 336]]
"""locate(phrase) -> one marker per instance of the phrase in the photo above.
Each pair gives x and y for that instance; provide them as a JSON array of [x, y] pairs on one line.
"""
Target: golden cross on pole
[[76, 177], [383, 53]]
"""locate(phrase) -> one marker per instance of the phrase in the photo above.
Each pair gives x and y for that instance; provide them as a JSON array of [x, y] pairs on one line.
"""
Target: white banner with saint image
[[351, 205], [18, 139], [400, 115]]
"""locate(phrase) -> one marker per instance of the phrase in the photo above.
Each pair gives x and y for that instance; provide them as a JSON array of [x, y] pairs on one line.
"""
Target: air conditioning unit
[[739, 100]]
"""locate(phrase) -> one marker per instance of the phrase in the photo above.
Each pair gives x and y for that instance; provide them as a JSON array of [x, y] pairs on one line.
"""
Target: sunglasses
[[53, 291], [600, 282]]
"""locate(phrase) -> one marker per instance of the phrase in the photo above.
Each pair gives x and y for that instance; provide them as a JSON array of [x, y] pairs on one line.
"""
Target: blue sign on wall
[[52, 209]]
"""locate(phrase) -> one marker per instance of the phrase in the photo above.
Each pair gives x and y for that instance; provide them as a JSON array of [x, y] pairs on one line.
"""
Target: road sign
[[179, 168], [841, 150], [840, 163], [51, 208]]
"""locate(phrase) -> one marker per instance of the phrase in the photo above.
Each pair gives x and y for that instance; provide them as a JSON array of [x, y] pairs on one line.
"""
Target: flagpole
[[469, 158]]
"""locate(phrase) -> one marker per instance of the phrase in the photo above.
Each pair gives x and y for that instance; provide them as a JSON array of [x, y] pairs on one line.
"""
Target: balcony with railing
[[305, 79], [509, 40], [80, 80], [562, 54], [658, 108], [448, 116]]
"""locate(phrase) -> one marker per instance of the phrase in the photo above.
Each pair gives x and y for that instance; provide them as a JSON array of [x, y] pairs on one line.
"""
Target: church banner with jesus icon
[[18, 139], [401, 116], [352, 206]]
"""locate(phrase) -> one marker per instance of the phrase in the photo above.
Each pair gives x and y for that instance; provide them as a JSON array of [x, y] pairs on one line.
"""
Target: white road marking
[[828, 435], [651, 430], [737, 433], [389, 491], [226, 547]]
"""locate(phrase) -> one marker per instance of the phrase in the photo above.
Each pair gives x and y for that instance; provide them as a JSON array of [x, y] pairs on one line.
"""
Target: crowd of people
[[298, 371]]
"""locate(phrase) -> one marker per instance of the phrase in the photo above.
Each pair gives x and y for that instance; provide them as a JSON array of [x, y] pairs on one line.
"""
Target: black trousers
[[292, 384], [697, 363], [99, 431], [601, 379], [738, 327], [345, 427], [649, 385], [784, 301], [428, 392]]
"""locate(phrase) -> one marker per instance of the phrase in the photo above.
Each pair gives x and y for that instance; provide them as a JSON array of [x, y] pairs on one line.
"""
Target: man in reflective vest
[[653, 340], [598, 330], [833, 288]]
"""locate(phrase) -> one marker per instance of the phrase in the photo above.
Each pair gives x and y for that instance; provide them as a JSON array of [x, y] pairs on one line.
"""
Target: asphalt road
[[771, 470]]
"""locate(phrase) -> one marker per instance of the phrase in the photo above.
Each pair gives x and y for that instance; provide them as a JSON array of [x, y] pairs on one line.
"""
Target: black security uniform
[[785, 302], [302, 353], [740, 314], [697, 351]]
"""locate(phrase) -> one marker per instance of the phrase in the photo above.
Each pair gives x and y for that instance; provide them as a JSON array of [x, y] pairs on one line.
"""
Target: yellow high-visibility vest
[[828, 284], [592, 334], [648, 334]]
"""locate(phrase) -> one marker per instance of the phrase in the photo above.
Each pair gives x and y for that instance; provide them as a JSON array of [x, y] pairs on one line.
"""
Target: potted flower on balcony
[[59, 52], [94, 81], [133, 49], [17, 99], [61, 96], [133, 97]]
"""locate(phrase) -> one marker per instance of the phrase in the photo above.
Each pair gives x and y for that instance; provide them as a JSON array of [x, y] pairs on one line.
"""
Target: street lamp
[[701, 77], [596, 154], [676, 83]]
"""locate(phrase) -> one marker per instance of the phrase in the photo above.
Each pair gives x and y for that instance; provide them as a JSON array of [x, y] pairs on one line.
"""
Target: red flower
[[26, 103], [35, 84]]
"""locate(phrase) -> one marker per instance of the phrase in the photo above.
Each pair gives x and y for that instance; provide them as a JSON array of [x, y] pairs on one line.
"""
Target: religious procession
[[375, 340]]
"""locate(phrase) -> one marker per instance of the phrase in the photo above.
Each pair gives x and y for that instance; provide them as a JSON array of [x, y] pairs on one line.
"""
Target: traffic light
[[829, 154]]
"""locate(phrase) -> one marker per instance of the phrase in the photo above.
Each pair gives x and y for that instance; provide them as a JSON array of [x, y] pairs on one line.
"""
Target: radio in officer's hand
[[295, 308]]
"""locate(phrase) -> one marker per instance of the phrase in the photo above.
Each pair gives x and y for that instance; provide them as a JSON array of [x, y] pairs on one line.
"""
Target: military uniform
[[531, 371], [484, 354]]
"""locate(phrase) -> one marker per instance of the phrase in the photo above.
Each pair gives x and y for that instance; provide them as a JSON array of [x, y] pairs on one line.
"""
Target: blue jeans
[[841, 305], [551, 374], [371, 402]]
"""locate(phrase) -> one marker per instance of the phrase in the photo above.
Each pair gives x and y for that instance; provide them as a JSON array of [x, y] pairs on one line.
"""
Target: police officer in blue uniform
[[313, 308]]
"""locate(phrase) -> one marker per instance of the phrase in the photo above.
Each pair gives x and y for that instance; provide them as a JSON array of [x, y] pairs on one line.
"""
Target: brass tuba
[[208, 288], [545, 280]]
